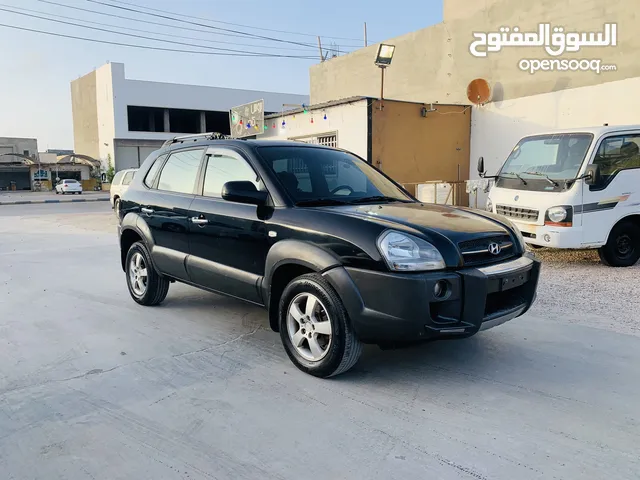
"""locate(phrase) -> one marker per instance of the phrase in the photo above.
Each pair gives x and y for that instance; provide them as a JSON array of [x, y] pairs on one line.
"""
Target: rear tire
[[320, 327], [116, 207], [623, 247], [145, 285]]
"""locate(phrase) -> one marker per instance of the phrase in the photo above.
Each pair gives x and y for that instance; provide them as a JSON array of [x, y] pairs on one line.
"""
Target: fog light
[[440, 289], [547, 238]]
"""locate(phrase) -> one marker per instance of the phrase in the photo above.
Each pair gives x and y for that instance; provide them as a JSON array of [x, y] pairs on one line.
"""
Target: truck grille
[[477, 252], [526, 214]]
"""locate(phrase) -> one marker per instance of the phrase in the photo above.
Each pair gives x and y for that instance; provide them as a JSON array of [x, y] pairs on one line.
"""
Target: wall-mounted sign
[[41, 175], [247, 120]]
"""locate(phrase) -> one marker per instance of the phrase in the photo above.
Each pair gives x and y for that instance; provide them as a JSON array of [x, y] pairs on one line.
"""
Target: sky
[[35, 98]]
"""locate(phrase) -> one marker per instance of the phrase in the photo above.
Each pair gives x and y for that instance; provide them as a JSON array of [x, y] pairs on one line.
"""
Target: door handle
[[199, 221], [148, 211]]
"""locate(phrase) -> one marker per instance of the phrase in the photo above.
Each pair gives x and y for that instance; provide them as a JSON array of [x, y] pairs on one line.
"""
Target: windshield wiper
[[524, 182], [318, 202], [379, 198], [549, 179]]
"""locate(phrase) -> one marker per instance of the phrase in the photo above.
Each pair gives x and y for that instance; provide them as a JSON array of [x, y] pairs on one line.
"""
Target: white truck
[[575, 189]]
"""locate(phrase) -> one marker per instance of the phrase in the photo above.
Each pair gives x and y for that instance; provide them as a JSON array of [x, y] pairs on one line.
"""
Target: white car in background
[[69, 186], [119, 185]]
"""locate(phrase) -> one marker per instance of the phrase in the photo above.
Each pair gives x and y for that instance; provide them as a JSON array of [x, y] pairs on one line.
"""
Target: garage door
[[19, 176], [126, 157]]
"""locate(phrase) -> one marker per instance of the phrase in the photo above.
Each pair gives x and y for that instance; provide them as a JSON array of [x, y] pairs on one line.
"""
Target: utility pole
[[366, 43], [320, 48]]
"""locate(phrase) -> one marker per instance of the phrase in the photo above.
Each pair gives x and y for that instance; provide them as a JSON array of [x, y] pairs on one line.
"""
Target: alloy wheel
[[309, 327]]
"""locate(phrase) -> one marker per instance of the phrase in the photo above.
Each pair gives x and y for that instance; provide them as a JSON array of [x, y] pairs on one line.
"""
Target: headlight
[[406, 253], [557, 214], [489, 206]]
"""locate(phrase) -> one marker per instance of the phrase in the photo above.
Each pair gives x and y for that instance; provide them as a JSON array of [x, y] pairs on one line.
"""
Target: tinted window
[[226, 168], [618, 153], [127, 178], [70, 181], [117, 178], [310, 173], [153, 171], [180, 172]]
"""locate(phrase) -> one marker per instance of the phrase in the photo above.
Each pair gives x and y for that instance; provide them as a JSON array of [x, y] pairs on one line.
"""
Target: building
[[16, 154], [436, 64], [124, 120], [411, 142]]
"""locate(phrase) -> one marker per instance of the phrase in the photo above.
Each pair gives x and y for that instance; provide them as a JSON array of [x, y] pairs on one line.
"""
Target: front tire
[[146, 286], [623, 247], [315, 329]]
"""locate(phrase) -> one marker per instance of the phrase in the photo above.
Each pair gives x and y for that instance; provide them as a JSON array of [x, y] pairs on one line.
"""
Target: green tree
[[111, 172]]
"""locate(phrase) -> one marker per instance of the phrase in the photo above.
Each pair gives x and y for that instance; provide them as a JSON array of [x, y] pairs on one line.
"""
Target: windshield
[[332, 177], [544, 157]]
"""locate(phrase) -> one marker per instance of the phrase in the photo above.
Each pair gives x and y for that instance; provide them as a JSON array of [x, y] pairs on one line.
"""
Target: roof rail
[[196, 137]]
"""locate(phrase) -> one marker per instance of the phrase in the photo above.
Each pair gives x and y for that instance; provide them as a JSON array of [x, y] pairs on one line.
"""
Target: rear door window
[[118, 177], [180, 173]]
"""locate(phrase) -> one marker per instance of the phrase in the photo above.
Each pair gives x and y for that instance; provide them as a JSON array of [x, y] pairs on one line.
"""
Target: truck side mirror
[[481, 166], [592, 175]]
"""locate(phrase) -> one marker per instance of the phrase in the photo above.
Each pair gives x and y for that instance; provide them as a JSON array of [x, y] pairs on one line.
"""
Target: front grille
[[526, 214], [476, 252]]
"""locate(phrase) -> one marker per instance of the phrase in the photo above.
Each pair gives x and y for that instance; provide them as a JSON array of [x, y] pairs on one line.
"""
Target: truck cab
[[575, 189]]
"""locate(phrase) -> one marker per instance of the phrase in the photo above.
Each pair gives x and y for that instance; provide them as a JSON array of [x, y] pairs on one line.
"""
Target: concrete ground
[[94, 386]]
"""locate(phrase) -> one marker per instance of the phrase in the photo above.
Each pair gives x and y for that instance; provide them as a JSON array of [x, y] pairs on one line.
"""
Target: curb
[[75, 200]]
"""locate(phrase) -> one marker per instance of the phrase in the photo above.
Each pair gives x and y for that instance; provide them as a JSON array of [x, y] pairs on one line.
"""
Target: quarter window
[[618, 153], [153, 171], [127, 178], [180, 172], [223, 168]]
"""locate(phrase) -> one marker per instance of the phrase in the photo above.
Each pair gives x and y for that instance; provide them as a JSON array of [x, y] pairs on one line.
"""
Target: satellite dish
[[479, 91]]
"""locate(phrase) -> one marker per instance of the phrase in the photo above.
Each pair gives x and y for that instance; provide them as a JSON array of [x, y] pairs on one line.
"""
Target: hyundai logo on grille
[[494, 248]]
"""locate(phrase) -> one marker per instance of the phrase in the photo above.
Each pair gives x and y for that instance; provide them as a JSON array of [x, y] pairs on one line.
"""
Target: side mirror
[[243, 192], [592, 175], [481, 166]]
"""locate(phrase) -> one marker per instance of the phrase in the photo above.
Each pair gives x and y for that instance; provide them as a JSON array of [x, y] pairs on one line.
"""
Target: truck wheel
[[146, 286], [623, 247], [315, 328]]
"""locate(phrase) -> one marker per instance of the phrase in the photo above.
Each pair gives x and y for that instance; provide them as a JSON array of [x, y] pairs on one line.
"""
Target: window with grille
[[326, 140]]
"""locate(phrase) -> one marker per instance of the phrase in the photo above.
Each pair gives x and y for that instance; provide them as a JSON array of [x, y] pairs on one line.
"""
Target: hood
[[454, 223]]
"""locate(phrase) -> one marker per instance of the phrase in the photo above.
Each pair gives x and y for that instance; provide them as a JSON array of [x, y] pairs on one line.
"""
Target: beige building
[[435, 63]]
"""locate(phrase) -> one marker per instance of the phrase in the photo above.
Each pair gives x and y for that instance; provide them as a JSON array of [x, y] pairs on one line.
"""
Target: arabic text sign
[[554, 40], [247, 120]]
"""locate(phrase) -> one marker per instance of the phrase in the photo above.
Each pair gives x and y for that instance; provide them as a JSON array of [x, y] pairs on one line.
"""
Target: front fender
[[298, 253]]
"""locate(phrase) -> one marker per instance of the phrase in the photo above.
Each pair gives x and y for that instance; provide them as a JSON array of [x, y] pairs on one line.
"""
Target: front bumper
[[396, 307], [552, 237]]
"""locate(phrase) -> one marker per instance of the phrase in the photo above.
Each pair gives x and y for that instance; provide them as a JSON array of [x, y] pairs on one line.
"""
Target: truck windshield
[[322, 176], [547, 158]]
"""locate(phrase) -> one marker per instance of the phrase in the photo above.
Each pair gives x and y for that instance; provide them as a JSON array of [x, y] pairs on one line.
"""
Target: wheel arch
[[633, 218], [131, 231], [286, 260]]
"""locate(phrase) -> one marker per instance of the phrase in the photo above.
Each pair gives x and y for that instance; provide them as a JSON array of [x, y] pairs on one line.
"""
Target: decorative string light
[[325, 115], [283, 123]]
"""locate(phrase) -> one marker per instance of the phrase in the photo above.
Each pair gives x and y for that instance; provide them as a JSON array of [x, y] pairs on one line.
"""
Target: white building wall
[[348, 120], [497, 127]]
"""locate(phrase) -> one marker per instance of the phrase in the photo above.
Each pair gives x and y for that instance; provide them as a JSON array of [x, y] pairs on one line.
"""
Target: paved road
[[94, 386]]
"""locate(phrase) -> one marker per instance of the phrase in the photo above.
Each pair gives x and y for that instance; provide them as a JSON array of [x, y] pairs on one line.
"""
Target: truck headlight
[[557, 214], [489, 205], [406, 253]]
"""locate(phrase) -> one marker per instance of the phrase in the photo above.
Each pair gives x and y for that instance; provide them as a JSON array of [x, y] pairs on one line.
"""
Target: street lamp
[[383, 60]]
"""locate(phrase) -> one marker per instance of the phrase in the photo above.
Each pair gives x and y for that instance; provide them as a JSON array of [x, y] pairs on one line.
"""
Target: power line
[[151, 31], [167, 25], [166, 17], [145, 47], [233, 24], [155, 39]]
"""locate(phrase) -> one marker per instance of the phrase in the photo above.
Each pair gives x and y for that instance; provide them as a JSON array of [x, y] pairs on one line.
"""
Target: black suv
[[338, 253]]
